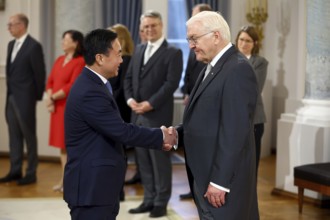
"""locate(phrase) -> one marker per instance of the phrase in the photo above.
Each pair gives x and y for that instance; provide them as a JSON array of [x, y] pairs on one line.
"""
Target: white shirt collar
[[157, 43], [22, 39], [219, 55], [104, 80]]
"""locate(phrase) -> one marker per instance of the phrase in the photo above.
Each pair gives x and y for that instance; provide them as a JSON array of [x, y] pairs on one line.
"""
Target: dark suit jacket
[[95, 171], [259, 65], [154, 82], [217, 131], [26, 77], [193, 69], [117, 84]]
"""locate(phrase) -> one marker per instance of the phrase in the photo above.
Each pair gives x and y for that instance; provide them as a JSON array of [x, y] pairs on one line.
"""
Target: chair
[[314, 177]]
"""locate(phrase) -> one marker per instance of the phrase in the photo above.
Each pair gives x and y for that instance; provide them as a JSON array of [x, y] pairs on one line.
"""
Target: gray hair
[[151, 14], [212, 21]]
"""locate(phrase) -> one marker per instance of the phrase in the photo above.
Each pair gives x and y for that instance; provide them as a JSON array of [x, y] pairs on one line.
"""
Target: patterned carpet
[[56, 209]]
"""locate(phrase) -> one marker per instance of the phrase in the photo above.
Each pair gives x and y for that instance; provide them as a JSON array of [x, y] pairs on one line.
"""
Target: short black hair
[[98, 41]]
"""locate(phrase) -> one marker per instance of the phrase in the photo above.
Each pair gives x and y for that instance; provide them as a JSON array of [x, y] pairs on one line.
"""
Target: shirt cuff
[[129, 101], [220, 187]]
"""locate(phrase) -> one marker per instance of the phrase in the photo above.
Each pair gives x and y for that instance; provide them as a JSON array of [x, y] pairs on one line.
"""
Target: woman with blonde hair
[[117, 83]]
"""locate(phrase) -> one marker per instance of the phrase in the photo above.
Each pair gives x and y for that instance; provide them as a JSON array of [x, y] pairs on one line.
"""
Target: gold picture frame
[[2, 5]]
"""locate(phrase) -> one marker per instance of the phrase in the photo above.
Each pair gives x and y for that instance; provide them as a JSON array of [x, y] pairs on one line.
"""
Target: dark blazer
[[259, 65], [25, 78], [217, 132], [117, 84], [155, 82], [95, 171], [193, 69]]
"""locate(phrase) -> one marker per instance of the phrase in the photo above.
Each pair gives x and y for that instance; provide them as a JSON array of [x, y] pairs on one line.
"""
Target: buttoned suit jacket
[[96, 166], [25, 78], [217, 133], [156, 82], [259, 65]]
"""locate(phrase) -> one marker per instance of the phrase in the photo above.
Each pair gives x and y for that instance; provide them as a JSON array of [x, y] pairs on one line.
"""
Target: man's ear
[[99, 59]]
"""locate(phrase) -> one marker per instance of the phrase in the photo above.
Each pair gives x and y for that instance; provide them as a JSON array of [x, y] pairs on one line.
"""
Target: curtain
[[126, 12]]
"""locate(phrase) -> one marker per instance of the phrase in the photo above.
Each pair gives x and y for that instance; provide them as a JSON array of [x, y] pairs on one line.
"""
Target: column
[[304, 137]]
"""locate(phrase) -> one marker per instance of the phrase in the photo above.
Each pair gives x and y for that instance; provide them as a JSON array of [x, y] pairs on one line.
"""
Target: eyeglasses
[[13, 24], [194, 40], [151, 26]]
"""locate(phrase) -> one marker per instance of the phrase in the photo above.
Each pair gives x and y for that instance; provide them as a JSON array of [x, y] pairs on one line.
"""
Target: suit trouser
[[18, 131], [258, 132], [156, 175], [94, 212], [203, 212]]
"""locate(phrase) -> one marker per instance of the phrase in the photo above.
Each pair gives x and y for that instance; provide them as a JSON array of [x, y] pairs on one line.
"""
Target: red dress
[[61, 77]]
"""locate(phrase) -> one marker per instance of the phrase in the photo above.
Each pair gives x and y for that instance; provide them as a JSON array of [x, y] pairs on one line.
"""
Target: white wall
[[284, 47]]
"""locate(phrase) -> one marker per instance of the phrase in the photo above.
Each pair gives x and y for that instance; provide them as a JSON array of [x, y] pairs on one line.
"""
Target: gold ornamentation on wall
[[257, 15]]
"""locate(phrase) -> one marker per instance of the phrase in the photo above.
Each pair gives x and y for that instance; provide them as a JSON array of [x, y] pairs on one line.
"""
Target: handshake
[[170, 138]]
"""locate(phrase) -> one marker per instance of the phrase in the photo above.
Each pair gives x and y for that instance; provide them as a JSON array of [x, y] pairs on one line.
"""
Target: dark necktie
[[108, 85]]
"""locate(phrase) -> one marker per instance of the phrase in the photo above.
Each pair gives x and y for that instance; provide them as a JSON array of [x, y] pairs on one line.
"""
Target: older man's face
[[201, 41]]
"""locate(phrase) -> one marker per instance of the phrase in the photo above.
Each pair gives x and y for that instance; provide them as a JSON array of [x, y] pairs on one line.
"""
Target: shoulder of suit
[[260, 59]]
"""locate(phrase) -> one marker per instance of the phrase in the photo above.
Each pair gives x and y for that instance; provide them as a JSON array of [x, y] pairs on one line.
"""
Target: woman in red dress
[[65, 70]]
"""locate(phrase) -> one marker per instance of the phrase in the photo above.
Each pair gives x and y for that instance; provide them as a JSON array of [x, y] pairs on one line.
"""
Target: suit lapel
[[153, 58], [201, 86], [10, 50], [22, 49]]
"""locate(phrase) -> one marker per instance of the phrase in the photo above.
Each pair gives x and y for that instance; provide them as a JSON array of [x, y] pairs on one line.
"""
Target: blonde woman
[[117, 82]]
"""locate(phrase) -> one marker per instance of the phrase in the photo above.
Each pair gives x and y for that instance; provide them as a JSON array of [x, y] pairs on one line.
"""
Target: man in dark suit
[[217, 129], [96, 166], [152, 77], [25, 76], [193, 69]]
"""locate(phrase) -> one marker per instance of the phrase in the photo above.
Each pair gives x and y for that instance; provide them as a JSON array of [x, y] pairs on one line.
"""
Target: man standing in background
[[25, 76], [152, 77]]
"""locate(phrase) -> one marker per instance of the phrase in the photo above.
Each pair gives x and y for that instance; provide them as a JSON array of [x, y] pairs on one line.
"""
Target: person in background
[[152, 77], [64, 72], [25, 78], [137, 177], [193, 69], [247, 42], [217, 128], [142, 35], [117, 82], [95, 171]]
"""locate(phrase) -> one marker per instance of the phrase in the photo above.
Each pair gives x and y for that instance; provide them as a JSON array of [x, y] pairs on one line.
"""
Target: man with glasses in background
[[152, 77], [25, 76]]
